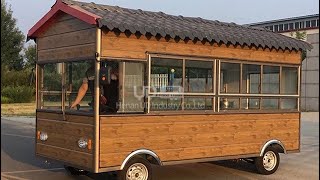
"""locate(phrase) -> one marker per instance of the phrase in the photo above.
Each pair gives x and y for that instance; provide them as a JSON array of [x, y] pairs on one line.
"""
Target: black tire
[[137, 164], [272, 160], [74, 171]]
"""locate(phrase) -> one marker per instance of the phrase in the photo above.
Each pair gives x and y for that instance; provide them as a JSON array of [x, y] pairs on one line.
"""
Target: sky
[[28, 12]]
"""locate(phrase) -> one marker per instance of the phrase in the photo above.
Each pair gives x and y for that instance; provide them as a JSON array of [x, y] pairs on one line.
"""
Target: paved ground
[[18, 161]]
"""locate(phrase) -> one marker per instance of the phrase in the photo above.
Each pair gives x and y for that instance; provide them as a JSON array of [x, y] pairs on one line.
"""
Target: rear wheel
[[136, 169], [269, 162]]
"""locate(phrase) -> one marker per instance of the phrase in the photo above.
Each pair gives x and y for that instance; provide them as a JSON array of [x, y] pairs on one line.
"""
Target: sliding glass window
[[178, 83], [198, 76], [249, 86], [230, 78], [50, 89]]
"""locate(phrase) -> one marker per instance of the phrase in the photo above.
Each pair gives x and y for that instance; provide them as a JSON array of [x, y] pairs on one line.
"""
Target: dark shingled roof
[[159, 23]]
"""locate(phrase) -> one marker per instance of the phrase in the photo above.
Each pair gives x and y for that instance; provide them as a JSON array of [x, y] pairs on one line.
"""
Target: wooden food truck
[[119, 89]]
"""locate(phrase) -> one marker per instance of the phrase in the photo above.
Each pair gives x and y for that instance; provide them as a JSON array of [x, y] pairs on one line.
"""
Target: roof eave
[[73, 10]]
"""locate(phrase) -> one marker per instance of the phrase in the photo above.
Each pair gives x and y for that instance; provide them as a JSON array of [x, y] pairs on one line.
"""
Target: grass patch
[[18, 109]]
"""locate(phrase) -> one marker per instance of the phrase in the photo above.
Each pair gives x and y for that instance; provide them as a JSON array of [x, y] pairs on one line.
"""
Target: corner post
[[96, 103]]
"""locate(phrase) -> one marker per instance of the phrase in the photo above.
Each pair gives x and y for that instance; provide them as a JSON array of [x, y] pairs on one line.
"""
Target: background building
[[306, 28]]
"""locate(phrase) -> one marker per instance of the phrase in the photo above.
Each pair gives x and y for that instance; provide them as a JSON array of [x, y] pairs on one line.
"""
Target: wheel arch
[[146, 154], [277, 144]]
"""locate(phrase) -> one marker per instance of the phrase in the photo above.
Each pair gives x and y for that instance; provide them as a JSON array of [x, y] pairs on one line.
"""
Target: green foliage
[[16, 78], [12, 40], [6, 100], [30, 56], [19, 94], [52, 82], [301, 36]]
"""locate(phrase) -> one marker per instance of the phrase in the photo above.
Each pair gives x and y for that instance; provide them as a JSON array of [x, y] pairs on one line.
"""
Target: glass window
[[286, 27], [51, 86], [198, 76], [289, 103], [270, 103], [290, 26], [132, 93], [281, 27], [313, 23], [165, 103], [270, 79], [296, 25], [289, 80], [308, 24], [271, 28], [229, 103], [251, 79], [166, 75], [276, 28], [230, 78], [76, 73], [198, 103], [317, 22], [302, 25], [250, 103]]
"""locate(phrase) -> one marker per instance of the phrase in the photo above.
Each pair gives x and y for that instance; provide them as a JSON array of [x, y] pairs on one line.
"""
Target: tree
[[12, 40], [301, 36], [30, 56]]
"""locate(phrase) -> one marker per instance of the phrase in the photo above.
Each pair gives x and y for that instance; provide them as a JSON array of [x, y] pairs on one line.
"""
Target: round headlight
[[43, 136], [82, 143]]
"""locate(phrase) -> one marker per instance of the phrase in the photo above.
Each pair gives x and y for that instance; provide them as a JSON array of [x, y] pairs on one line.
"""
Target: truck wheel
[[74, 171], [136, 169], [269, 162]]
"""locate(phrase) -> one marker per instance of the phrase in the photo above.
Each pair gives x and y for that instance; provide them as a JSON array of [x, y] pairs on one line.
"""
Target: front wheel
[[136, 169], [269, 162]]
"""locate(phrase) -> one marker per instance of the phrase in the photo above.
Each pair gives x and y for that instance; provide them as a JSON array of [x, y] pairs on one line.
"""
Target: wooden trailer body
[[70, 33]]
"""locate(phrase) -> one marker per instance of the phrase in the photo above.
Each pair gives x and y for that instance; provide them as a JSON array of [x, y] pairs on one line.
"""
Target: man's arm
[[81, 93]]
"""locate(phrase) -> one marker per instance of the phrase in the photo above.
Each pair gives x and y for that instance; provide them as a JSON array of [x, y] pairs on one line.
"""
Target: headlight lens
[[82, 143], [43, 136]]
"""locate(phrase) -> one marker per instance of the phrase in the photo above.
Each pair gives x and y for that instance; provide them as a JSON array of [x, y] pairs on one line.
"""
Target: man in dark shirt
[[111, 92]]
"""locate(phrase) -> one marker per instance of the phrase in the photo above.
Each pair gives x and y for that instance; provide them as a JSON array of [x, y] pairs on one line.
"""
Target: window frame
[[260, 95], [184, 94]]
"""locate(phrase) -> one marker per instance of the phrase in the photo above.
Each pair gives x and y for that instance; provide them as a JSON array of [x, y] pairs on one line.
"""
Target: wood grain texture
[[184, 137], [122, 46], [65, 134], [65, 155], [64, 24], [80, 37], [65, 128], [66, 38], [68, 117], [65, 53]]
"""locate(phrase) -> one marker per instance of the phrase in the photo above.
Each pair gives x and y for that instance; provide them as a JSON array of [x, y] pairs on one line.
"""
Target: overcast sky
[[28, 12]]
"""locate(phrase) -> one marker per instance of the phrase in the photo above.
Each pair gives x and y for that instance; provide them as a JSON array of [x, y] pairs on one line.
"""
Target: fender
[[273, 141], [138, 152]]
